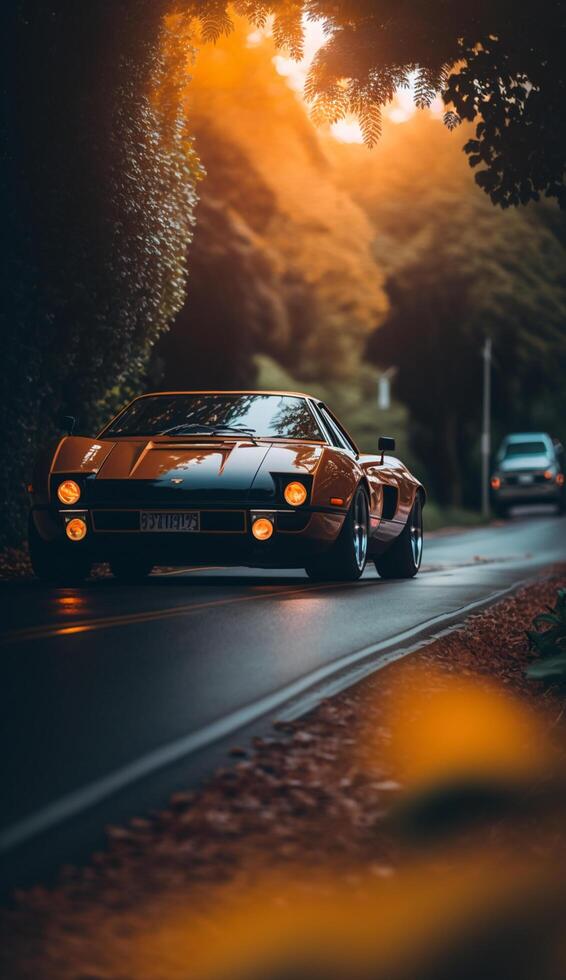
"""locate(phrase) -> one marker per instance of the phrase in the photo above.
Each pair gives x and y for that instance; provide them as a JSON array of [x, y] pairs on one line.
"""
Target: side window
[[337, 436]]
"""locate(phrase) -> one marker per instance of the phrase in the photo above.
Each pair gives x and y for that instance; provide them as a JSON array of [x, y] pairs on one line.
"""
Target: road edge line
[[301, 695]]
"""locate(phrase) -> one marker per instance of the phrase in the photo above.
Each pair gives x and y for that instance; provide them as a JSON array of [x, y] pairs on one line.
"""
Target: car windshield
[[525, 449], [276, 416]]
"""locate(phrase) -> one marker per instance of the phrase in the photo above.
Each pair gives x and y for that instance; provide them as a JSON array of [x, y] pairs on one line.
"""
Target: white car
[[528, 469]]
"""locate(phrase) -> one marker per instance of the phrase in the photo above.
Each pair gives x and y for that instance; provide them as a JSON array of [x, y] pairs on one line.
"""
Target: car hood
[[539, 462], [198, 465]]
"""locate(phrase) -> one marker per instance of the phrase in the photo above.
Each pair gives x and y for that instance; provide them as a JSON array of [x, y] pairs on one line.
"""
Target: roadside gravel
[[320, 791]]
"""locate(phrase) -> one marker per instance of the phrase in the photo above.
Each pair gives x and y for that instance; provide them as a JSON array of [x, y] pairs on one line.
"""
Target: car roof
[[229, 391], [526, 436]]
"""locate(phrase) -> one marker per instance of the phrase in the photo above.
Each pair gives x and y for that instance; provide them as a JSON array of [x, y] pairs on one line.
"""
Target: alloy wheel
[[360, 530], [416, 532]]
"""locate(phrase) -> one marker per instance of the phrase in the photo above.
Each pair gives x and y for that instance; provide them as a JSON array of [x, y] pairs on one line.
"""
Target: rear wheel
[[403, 558], [54, 562], [130, 569], [347, 558]]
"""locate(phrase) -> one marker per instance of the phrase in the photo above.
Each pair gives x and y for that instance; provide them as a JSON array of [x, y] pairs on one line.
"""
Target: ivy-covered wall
[[97, 195]]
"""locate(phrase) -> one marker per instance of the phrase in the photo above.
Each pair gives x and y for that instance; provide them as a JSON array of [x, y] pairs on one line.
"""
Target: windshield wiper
[[187, 427], [213, 430]]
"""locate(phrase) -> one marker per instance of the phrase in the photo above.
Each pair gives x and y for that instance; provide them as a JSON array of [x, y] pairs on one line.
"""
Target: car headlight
[[69, 492], [295, 493], [262, 528], [76, 529]]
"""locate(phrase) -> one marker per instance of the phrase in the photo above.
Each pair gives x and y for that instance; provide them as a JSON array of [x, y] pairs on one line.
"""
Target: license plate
[[525, 478], [154, 520]]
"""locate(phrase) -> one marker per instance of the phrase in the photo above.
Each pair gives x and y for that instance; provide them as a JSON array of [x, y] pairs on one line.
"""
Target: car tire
[[346, 560], [53, 563], [403, 558], [130, 569]]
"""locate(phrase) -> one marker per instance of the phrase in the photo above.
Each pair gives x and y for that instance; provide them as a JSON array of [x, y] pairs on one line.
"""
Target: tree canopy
[[497, 63], [467, 278]]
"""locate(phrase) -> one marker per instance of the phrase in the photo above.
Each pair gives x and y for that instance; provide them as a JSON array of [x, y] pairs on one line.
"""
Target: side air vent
[[390, 498]]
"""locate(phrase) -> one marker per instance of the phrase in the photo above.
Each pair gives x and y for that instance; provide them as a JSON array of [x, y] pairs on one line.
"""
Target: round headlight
[[262, 528], [68, 492], [295, 494], [76, 529]]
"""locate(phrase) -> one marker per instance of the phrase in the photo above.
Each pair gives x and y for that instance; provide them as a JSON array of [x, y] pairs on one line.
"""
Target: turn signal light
[[495, 483], [548, 474], [295, 494], [560, 479], [68, 492], [262, 528], [76, 529]]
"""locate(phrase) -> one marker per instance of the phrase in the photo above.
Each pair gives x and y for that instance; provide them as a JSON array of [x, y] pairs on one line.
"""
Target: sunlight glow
[[295, 72], [347, 130]]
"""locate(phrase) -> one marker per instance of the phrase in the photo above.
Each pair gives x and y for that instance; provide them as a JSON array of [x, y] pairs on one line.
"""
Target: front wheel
[[54, 562], [403, 558], [347, 558]]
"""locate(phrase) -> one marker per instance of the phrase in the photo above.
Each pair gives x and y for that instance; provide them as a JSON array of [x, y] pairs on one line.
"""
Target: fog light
[[295, 494], [68, 492], [262, 528], [76, 529], [495, 483]]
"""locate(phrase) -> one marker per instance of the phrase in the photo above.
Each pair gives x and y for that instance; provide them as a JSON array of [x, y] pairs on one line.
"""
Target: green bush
[[548, 638], [97, 195]]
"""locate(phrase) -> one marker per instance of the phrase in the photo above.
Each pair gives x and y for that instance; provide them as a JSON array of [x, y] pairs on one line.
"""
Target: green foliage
[[98, 194], [292, 253], [457, 271], [548, 638], [495, 65]]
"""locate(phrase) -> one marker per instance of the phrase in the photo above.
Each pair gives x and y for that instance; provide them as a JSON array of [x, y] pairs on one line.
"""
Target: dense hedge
[[97, 199]]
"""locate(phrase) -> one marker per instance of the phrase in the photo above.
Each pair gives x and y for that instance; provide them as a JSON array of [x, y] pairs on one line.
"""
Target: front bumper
[[225, 539], [532, 493]]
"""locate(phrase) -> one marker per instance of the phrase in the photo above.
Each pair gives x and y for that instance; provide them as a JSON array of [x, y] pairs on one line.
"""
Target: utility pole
[[486, 427]]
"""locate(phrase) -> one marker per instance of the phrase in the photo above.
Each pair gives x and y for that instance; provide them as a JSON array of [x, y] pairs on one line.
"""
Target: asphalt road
[[112, 696]]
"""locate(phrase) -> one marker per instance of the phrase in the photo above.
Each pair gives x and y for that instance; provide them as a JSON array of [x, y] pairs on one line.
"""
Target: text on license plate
[[151, 520]]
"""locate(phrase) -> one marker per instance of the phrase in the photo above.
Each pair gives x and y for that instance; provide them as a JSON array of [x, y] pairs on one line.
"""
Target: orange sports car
[[268, 479]]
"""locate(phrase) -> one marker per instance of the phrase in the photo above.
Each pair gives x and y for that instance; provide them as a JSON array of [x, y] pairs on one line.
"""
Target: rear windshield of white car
[[526, 449], [276, 416]]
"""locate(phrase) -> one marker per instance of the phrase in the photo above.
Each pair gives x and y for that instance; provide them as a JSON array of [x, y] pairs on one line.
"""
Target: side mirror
[[68, 423], [386, 444]]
